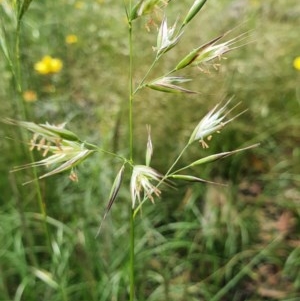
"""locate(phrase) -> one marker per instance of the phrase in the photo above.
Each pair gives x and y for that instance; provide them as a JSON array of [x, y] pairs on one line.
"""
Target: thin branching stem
[[141, 84], [101, 150], [175, 162]]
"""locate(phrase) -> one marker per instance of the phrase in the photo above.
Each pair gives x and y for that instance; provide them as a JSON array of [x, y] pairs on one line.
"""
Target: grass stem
[[130, 124], [132, 257], [24, 115], [130, 117]]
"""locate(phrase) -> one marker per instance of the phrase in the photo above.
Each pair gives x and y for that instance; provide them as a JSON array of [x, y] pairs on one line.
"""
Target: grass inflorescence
[[118, 107]]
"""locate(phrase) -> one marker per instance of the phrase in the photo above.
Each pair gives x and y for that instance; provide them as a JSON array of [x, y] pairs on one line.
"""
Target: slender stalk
[[175, 162], [141, 84], [101, 150], [132, 257], [63, 294], [24, 114], [18, 63], [130, 124], [130, 119]]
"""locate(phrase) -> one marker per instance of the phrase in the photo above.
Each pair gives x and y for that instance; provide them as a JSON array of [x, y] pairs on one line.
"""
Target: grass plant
[[198, 242]]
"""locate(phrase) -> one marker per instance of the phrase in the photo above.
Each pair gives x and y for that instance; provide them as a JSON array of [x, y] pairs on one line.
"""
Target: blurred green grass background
[[233, 243]]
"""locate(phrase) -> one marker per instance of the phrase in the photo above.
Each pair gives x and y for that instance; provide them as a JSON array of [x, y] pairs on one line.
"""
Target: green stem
[[63, 294], [101, 150], [130, 124], [23, 113], [141, 84], [175, 162], [41, 204], [18, 60], [132, 259], [20, 107], [130, 117], [180, 170]]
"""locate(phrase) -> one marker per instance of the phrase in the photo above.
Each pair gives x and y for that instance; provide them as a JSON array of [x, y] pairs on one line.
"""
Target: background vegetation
[[233, 243]]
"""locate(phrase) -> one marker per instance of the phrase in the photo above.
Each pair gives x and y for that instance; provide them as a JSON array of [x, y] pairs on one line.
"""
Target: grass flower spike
[[212, 122], [195, 8], [65, 148], [113, 194], [141, 181], [53, 133], [149, 148], [166, 38], [167, 84], [144, 7], [208, 52], [67, 155]]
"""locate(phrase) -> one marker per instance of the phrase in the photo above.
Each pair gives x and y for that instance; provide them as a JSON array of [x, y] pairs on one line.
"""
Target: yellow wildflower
[[255, 3], [71, 39], [30, 96], [296, 63], [48, 65], [79, 4]]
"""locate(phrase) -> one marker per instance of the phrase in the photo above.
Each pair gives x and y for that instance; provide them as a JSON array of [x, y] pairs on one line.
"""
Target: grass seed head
[[212, 122], [149, 149], [168, 84], [166, 38], [209, 52], [144, 7], [195, 8], [142, 179], [64, 148]]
